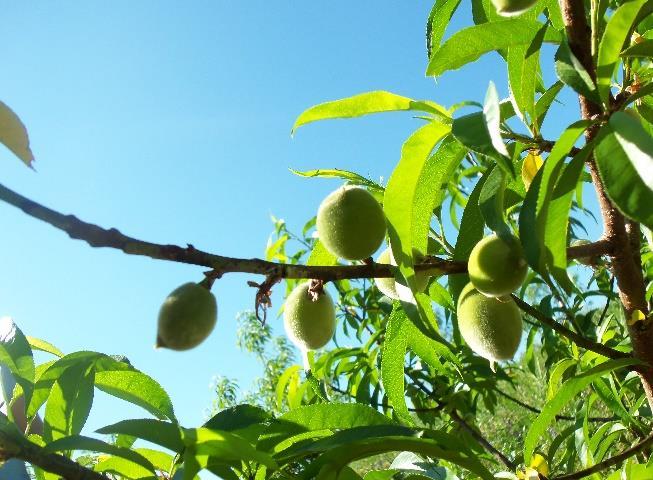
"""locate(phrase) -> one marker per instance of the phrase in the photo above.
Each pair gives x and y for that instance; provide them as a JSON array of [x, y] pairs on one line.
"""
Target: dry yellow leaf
[[13, 135]]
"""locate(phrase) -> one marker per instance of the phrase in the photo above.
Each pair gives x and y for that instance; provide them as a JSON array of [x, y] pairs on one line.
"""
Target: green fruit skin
[[496, 267], [392, 289], [187, 317], [351, 223], [309, 324], [583, 260], [492, 327], [510, 8]]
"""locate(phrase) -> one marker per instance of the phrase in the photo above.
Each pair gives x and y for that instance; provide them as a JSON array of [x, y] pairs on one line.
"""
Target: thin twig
[[610, 462], [540, 143], [564, 331], [482, 440], [97, 236], [558, 417]]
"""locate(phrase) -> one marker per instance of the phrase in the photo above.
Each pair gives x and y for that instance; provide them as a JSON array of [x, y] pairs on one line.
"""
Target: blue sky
[[172, 124]]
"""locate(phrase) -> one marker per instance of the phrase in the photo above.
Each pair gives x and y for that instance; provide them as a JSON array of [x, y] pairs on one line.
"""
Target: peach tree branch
[[571, 335], [22, 449], [610, 462], [97, 237]]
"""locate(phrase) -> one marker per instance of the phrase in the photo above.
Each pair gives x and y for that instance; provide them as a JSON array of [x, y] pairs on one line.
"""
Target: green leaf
[[392, 364], [615, 35], [544, 102], [428, 349], [523, 68], [240, 419], [569, 390], [557, 218], [16, 355], [79, 442], [318, 417], [470, 43], [470, 233], [490, 202], [472, 131], [321, 256], [624, 156], [409, 199], [642, 49], [535, 209], [165, 434], [69, 403], [334, 460], [438, 20], [364, 104], [13, 135], [572, 73], [492, 117], [225, 447], [45, 382], [137, 388], [43, 346], [555, 376], [351, 177]]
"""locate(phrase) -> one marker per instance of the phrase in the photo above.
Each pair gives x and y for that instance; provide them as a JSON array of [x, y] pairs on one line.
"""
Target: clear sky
[[172, 124]]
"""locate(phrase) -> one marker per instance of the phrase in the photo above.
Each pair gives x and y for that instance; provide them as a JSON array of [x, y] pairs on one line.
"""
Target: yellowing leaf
[[529, 168], [538, 463], [636, 316], [13, 135]]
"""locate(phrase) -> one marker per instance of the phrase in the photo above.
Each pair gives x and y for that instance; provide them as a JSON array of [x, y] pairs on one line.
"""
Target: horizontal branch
[[579, 340], [530, 408], [50, 462], [97, 236], [482, 440], [610, 462], [541, 144]]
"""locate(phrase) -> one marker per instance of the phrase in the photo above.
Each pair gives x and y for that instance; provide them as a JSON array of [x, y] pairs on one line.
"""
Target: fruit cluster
[[351, 225], [488, 318]]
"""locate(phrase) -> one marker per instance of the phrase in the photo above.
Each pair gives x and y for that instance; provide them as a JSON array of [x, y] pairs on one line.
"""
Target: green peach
[[497, 266], [350, 223], [309, 323], [187, 317], [492, 327]]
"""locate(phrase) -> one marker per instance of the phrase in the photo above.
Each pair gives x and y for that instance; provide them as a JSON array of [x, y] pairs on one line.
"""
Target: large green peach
[[497, 266], [187, 317], [351, 223], [310, 323], [395, 290], [491, 326], [511, 8]]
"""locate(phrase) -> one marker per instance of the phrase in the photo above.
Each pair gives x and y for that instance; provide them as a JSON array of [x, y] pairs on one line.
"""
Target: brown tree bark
[[623, 235]]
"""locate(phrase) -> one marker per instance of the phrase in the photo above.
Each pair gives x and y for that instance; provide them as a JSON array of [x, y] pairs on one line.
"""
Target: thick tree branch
[[610, 462], [97, 236], [626, 261], [565, 332]]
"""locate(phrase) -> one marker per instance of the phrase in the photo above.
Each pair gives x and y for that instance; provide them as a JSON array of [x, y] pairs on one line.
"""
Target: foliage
[[399, 380]]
